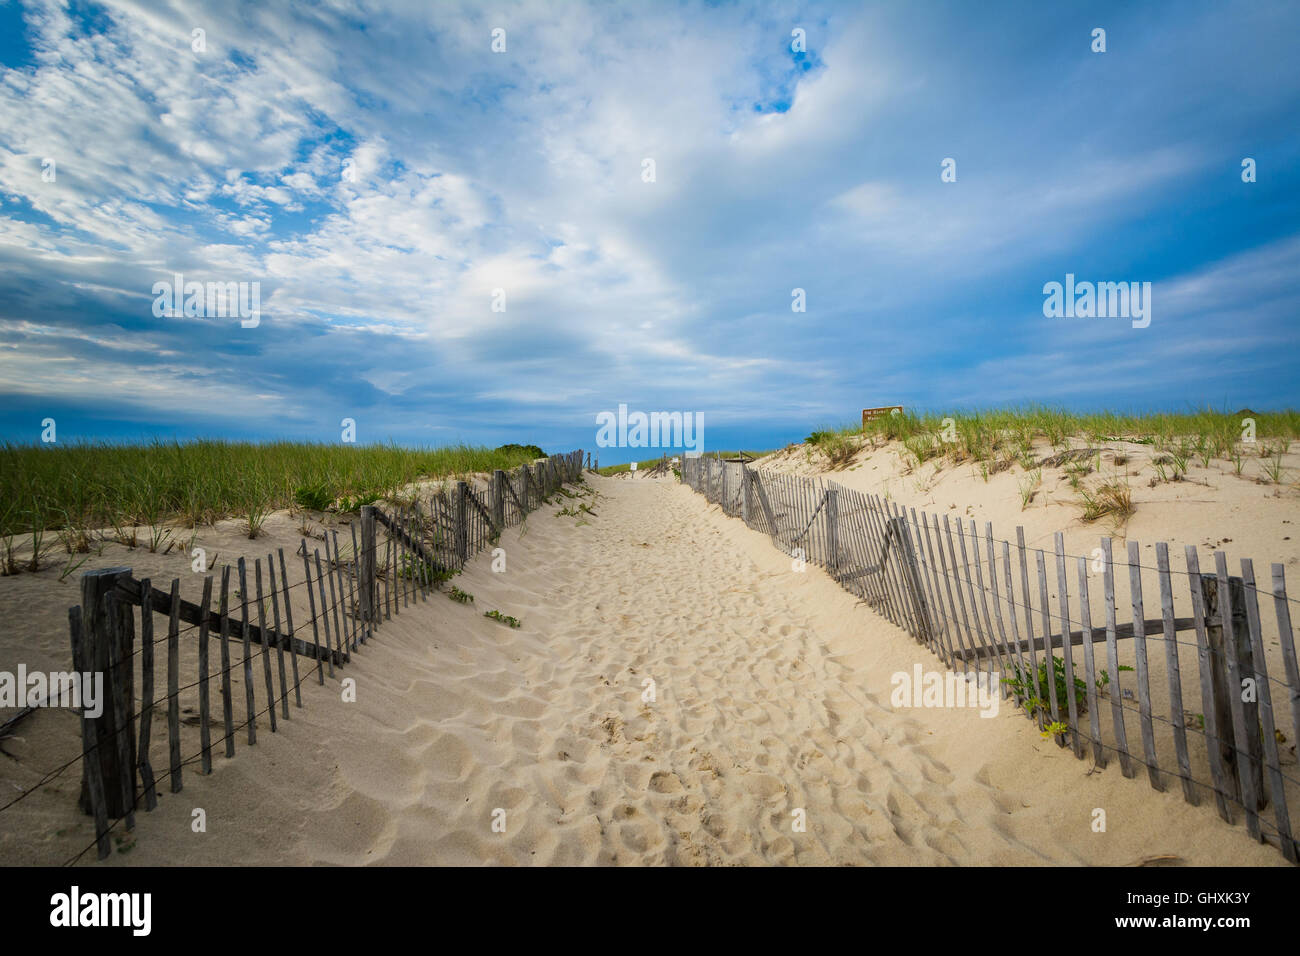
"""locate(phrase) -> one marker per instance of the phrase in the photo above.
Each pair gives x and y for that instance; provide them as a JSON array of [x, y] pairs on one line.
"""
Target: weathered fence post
[[462, 523], [101, 628], [746, 494], [1225, 688], [499, 500], [366, 566], [832, 534]]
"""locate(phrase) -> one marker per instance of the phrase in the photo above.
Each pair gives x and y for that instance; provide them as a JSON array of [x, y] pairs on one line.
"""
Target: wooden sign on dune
[[871, 414]]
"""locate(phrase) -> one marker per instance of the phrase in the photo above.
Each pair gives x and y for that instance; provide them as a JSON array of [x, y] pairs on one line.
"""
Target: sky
[[453, 242]]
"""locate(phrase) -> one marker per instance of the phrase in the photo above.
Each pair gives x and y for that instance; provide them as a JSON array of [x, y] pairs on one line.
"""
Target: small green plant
[[1035, 692], [315, 497], [459, 596], [1057, 728], [1103, 681], [503, 618]]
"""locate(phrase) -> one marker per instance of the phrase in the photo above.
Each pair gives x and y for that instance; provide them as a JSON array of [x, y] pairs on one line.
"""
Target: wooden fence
[[392, 560], [957, 591]]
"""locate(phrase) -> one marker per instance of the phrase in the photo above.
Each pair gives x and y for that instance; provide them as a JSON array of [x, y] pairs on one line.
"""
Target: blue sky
[[522, 171]]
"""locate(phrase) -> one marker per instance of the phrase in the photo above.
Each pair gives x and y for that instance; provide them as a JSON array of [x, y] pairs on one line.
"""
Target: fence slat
[[1090, 671], [997, 605], [1176, 716], [336, 599], [120, 618], [1011, 614], [957, 582], [250, 700], [407, 574], [205, 690], [1032, 677], [227, 705], [311, 607], [984, 601], [279, 634], [1276, 784], [1286, 638], [89, 755], [1140, 654], [1063, 612], [341, 604], [1115, 689], [324, 614], [388, 577], [173, 687], [1049, 653], [945, 640], [266, 648], [1241, 729], [939, 618], [949, 575], [1209, 693], [893, 580], [359, 588], [147, 781]]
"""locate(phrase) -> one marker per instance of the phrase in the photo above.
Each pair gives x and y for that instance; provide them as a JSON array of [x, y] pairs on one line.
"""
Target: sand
[[771, 695], [1246, 515]]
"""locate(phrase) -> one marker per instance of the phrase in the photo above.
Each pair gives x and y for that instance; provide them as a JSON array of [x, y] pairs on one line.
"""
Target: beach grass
[[992, 434], [68, 489]]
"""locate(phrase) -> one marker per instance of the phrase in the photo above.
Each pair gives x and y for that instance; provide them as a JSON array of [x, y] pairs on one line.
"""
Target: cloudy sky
[[382, 172]]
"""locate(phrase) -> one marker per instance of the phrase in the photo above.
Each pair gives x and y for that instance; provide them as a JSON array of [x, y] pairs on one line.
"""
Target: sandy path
[[772, 694]]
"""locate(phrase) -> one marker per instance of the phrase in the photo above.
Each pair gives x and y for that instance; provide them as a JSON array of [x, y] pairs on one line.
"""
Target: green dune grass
[[82, 486], [994, 434]]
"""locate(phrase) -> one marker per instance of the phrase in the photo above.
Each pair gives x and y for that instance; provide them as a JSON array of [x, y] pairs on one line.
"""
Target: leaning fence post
[[97, 632], [1224, 669], [92, 782], [498, 501], [746, 494], [832, 534], [462, 527], [366, 566]]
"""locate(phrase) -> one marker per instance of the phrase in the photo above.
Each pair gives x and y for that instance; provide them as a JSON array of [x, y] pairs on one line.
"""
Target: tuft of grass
[[1028, 486], [1111, 498], [1271, 462], [313, 497]]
